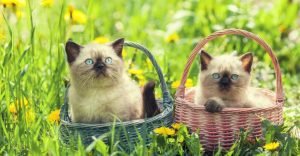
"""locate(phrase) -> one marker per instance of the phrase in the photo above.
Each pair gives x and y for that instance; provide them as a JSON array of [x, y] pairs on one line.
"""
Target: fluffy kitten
[[224, 82], [100, 87]]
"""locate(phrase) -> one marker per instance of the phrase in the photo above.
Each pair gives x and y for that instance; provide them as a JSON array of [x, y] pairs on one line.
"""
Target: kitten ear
[[117, 45], [247, 60], [72, 50], [205, 58]]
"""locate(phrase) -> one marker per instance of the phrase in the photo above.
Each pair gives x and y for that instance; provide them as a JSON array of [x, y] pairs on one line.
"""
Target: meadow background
[[33, 69]]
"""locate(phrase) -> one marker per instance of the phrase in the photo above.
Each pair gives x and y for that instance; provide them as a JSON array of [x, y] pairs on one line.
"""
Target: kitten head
[[95, 64], [225, 74]]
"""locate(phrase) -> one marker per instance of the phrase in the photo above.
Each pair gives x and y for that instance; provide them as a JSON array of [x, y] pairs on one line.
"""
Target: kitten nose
[[99, 65], [224, 80]]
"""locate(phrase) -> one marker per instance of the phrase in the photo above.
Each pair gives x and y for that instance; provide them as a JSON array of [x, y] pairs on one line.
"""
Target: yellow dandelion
[[135, 71], [271, 146], [75, 16], [101, 40], [141, 78], [13, 3], [175, 84], [188, 84], [47, 3], [164, 131], [54, 116], [176, 126], [12, 107], [172, 38], [139, 75]]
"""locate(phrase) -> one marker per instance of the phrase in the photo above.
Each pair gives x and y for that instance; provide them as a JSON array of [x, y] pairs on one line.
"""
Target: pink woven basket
[[222, 128]]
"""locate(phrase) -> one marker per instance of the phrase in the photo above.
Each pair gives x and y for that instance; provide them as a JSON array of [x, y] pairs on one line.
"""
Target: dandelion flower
[[176, 126], [47, 3], [139, 75], [54, 116], [172, 38], [135, 71], [13, 3], [271, 146], [175, 84], [12, 107], [141, 79], [101, 40], [164, 131], [188, 84], [75, 16]]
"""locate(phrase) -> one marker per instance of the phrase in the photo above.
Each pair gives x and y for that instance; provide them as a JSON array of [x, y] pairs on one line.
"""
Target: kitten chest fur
[[98, 104]]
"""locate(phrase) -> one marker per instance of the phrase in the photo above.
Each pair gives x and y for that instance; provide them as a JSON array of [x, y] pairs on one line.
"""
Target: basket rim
[[230, 110], [163, 114]]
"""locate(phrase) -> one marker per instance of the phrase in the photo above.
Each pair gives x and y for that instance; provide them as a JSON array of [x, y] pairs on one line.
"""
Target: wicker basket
[[126, 132], [222, 128]]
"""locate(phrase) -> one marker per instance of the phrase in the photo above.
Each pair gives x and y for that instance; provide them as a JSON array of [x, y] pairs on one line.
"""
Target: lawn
[[33, 67]]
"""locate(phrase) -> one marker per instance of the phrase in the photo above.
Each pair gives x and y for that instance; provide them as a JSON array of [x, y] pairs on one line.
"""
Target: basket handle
[[202, 43], [166, 94]]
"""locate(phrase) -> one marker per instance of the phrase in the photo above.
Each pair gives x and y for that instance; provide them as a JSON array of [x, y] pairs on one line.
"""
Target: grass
[[33, 66]]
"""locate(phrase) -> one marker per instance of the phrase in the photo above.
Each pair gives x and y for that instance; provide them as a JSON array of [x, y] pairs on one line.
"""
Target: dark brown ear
[[247, 60], [205, 58], [118, 46], [72, 50]]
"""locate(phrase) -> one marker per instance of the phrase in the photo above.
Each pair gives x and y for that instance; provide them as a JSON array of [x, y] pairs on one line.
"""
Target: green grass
[[33, 65]]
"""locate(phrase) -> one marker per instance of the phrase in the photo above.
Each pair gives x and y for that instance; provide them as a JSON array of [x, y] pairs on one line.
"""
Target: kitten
[[100, 87], [224, 81]]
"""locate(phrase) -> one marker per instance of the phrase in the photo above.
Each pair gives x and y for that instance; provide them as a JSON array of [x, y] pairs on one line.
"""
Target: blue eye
[[89, 61], [108, 60], [234, 76], [216, 75]]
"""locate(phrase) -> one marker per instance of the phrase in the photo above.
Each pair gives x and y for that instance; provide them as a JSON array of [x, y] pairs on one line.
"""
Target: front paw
[[213, 106]]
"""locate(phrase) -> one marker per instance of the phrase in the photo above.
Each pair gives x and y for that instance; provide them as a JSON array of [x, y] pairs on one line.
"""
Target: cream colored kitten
[[100, 87], [224, 82]]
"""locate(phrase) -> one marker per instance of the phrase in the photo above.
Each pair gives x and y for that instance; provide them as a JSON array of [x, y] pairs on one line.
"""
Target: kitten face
[[224, 75], [95, 64]]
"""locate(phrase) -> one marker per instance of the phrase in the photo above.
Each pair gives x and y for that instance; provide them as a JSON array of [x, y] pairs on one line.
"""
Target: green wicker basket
[[126, 132]]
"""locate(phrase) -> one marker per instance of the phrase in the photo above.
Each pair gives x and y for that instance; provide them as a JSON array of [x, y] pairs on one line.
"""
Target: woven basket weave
[[128, 131], [222, 128]]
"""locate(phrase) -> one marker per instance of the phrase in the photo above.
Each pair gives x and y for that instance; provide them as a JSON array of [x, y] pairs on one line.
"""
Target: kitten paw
[[213, 106]]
